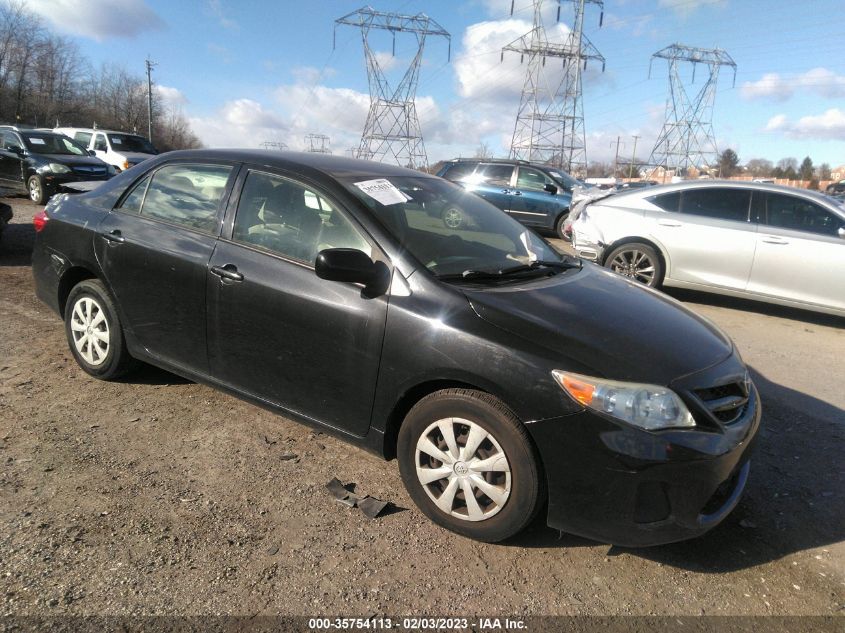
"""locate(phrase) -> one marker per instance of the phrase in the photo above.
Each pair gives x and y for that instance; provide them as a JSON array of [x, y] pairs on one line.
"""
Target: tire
[[513, 478], [102, 355], [559, 227], [637, 261], [36, 191], [452, 217]]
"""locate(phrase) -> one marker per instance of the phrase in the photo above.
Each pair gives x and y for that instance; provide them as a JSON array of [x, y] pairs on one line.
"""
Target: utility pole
[[392, 131], [633, 158], [616, 159], [550, 121], [150, 65]]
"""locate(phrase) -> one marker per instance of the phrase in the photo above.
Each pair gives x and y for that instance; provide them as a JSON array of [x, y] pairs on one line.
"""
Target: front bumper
[[587, 246], [56, 183], [611, 482]]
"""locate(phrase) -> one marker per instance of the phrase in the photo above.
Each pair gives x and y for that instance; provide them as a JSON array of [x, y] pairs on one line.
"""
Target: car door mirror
[[16, 150], [91, 152], [550, 188], [841, 232], [352, 266]]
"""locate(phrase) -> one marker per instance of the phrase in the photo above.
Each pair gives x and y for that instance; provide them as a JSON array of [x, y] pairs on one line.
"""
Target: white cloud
[[172, 97], [387, 61], [240, 123], [216, 10], [98, 19], [828, 126], [819, 81]]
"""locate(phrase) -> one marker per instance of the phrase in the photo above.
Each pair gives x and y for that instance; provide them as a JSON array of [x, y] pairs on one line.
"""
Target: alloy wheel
[[463, 469], [452, 218], [35, 190], [90, 330], [635, 264]]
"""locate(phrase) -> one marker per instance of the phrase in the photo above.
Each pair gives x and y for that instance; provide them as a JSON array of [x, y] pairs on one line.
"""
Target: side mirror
[[352, 266], [16, 150], [550, 188], [91, 152], [841, 232]]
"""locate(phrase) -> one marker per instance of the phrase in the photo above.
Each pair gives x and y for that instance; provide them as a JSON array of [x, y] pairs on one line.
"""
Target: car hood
[[72, 160], [605, 324], [135, 157]]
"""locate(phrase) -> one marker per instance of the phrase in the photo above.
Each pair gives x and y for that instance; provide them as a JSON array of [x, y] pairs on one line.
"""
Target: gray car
[[761, 241]]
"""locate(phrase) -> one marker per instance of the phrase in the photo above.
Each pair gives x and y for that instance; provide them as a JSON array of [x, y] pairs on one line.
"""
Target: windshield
[[450, 231], [47, 143], [131, 143]]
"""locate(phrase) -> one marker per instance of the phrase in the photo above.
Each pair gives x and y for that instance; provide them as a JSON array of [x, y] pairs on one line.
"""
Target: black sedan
[[504, 377]]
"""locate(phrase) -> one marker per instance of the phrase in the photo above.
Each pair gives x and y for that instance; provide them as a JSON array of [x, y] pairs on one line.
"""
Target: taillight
[[40, 221]]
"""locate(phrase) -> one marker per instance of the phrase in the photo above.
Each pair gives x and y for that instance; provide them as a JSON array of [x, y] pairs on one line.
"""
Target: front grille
[[727, 403], [90, 170]]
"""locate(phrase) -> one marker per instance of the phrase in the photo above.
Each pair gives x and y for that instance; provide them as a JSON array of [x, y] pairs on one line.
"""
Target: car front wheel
[[637, 261], [94, 332], [469, 464], [37, 192]]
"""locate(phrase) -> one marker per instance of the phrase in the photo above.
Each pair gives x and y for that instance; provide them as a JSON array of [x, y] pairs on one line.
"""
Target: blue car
[[536, 195]]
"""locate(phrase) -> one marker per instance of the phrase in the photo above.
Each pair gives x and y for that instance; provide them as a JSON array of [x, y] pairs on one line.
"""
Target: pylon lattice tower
[[274, 145], [687, 139], [550, 121], [318, 143], [392, 131]]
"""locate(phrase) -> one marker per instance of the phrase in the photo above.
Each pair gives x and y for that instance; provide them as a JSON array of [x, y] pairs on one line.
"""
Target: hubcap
[[634, 264], [90, 330], [452, 218], [463, 469], [34, 190]]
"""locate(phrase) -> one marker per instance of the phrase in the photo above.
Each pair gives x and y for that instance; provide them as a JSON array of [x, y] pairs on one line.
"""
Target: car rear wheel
[[94, 332], [637, 261], [560, 227], [469, 464], [37, 192]]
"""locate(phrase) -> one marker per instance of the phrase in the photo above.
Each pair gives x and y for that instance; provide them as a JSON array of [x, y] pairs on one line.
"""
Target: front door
[[800, 254], [154, 249], [11, 161], [276, 330]]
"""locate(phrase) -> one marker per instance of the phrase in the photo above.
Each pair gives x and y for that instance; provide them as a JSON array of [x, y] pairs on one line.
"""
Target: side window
[[188, 195], [132, 203], [668, 201], [10, 141], [532, 179], [458, 171], [494, 174], [722, 204], [291, 220], [83, 137], [100, 143], [790, 212]]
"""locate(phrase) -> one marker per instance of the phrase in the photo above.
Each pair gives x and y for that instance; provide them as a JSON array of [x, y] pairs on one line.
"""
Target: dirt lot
[[159, 496]]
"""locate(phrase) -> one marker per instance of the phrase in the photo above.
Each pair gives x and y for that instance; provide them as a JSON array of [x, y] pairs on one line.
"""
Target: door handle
[[506, 191], [771, 239], [669, 223], [114, 237], [229, 271], [517, 193]]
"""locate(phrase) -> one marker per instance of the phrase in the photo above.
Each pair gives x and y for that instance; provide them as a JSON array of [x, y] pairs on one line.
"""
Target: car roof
[[329, 164], [95, 130]]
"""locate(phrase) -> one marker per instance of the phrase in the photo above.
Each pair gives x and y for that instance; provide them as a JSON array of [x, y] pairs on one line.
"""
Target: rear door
[[276, 330], [494, 183], [800, 255], [706, 234], [154, 249]]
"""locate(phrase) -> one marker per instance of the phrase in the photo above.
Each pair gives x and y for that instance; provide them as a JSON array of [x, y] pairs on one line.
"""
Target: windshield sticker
[[36, 141], [116, 140], [382, 190]]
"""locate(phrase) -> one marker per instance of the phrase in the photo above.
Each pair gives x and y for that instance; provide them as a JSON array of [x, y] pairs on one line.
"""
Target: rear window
[[719, 203], [668, 201]]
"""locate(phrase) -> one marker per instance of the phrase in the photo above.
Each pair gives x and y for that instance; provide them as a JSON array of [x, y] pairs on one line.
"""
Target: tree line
[[45, 81]]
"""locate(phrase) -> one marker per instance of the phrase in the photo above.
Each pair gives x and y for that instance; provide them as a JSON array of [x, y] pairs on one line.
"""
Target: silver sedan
[[760, 241]]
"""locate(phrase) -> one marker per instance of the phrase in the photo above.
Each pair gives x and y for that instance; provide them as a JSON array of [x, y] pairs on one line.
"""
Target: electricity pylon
[[687, 139], [274, 145], [550, 121], [318, 143], [392, 131]]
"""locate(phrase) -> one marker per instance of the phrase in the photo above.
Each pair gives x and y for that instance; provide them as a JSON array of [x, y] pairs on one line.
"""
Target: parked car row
[[505, 377], [767, 242], [42, 162]]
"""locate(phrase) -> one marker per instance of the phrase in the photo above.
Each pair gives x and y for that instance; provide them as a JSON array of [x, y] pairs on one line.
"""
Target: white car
[[760, 241], [122, 150]]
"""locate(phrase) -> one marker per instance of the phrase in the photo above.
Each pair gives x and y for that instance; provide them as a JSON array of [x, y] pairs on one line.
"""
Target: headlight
[[649, 407], [126, 164], [58, 168]]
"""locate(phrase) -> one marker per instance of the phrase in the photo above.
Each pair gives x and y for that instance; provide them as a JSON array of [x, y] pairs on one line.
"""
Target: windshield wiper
[[472, 275]]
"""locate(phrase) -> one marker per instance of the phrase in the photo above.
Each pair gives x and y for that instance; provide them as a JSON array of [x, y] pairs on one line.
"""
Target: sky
[[248, 71]]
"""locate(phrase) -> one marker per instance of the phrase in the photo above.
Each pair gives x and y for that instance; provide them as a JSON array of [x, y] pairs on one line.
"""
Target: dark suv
[[40, 162], [535, 195]]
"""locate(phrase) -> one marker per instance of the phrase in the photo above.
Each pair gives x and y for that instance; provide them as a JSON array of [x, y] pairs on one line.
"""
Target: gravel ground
[[156, 495]]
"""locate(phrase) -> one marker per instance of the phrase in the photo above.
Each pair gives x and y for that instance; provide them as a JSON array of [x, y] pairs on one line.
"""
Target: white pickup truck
[[120, 149]]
